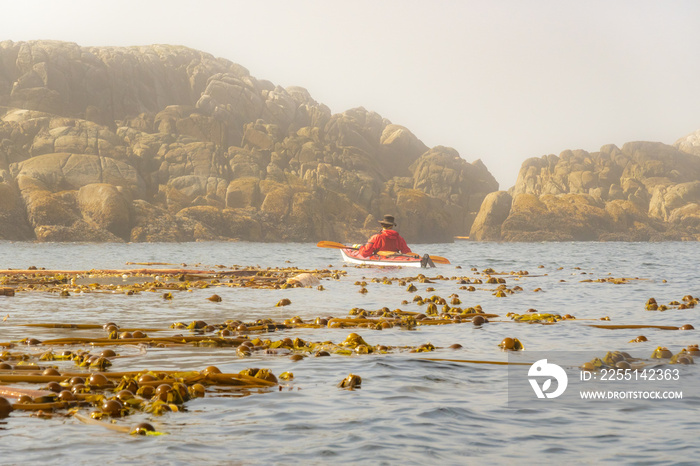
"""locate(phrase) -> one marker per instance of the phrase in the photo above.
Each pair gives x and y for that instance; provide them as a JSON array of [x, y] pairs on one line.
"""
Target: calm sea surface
[[409, 410]]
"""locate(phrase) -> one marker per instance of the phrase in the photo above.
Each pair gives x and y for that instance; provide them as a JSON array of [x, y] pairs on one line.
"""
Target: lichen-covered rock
[[45, 207], [243, 192], [555, 218], [665, 200], [77, 231], [59, 216], [687, 216], [443, 175], [243, 224], [154, 224], [210, 224], [494, 211], [13, 217], [107, 207], [73, 171], [421, 216], [277, 198], [306, 219]]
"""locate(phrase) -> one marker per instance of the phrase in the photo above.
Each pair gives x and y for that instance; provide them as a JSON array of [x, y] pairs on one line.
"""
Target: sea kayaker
[[386, 240]]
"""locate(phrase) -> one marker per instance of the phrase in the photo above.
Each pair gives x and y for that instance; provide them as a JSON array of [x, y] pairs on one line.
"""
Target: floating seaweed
[[119, 394], [73, 375], [688, 302], [135, 281], [535, 318], [351, 382], [623, 360], [511, 344]]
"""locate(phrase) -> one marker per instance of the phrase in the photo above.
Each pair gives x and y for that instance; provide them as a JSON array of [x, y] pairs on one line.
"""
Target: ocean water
[[412, 408]]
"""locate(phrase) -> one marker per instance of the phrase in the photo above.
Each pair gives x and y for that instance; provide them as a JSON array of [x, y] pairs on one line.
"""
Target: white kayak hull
[[351, 256]]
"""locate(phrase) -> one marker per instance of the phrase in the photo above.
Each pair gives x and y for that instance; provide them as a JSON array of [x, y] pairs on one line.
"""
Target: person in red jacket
[[386, 240]]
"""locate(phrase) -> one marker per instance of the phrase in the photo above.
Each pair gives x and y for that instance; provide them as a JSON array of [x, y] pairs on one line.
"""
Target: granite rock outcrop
[[644, 191], [166, 143]]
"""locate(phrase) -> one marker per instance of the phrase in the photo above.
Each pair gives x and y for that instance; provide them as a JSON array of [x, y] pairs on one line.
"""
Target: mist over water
[[410, 410]]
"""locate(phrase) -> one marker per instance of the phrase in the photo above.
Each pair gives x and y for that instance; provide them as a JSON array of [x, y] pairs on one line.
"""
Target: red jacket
[[386, 240]]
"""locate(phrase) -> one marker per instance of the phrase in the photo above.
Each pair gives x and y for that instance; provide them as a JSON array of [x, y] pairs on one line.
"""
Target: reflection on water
[[409, 409]]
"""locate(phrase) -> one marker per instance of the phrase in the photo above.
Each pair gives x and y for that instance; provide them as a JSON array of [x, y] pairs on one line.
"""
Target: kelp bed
[[72, 376]]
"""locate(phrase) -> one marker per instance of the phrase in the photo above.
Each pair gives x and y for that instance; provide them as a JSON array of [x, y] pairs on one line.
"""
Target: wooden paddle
[[334, 245]]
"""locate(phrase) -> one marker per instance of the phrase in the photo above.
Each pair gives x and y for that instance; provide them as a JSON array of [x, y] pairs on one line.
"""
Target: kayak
[[384, 258], [398, 260]]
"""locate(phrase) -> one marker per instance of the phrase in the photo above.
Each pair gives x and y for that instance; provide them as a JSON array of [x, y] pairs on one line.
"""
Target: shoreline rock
[[644, 191], [166, 143]]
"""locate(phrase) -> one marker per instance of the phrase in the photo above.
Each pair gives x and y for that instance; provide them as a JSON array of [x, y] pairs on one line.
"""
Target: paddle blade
[[440, 260], [332, 244]]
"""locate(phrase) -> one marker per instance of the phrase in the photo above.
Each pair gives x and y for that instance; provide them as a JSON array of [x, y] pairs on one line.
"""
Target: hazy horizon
[[500, 80]]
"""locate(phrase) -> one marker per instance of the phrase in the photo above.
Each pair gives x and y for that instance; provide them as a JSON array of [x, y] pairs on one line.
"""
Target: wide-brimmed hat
[[388, 221]]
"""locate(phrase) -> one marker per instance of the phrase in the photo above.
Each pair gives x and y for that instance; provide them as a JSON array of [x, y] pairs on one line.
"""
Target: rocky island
[[166, 143], [644, 191]]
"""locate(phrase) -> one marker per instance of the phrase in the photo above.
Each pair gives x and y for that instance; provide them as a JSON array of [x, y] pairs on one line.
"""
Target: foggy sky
[[499, 80]]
